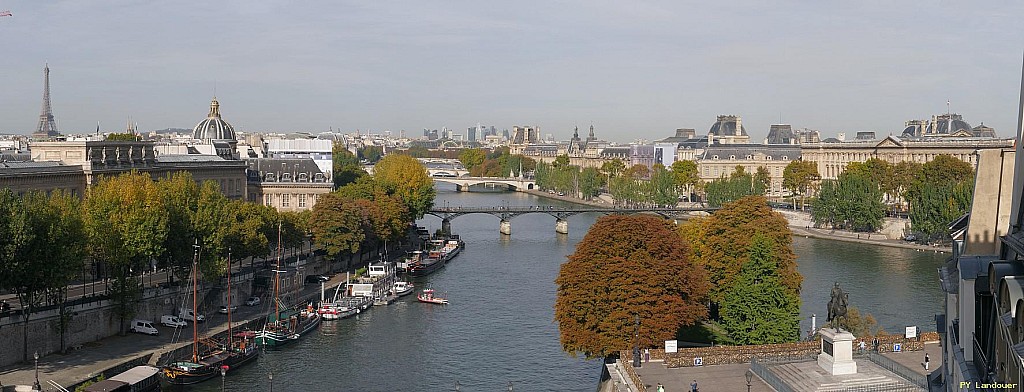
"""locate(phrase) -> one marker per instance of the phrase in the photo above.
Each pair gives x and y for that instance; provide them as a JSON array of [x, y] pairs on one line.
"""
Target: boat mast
[[277, 278], [195, 326], [230, 342]]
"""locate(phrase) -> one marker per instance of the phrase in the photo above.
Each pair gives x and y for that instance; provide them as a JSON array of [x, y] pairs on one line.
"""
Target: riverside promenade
[[94, 358], [799, 223]]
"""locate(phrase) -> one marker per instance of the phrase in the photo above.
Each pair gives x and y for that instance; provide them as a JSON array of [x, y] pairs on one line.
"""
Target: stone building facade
[[76, 165], [719, 161], [286, 184], [832, 158]]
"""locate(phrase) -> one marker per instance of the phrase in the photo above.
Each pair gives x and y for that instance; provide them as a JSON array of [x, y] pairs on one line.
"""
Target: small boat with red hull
[[430, 296]]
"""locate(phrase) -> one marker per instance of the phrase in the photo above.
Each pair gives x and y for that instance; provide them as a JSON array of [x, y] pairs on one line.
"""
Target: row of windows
[[302, 177], [285, 200], [751, 157]]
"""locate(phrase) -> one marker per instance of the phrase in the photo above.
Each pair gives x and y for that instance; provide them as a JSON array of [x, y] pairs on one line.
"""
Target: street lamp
[[37, 386], [224, 372], [750, 376], [271, 377]]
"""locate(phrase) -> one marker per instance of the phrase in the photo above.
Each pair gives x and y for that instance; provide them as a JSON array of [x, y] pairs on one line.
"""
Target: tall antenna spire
[[47, 127]]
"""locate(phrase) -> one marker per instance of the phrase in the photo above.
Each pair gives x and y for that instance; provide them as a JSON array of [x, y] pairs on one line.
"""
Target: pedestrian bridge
[[506, 213], [513, 184]]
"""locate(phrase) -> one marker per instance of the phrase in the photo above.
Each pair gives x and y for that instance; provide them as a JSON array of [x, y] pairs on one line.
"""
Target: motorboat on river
[[431, 297], [404, 288]]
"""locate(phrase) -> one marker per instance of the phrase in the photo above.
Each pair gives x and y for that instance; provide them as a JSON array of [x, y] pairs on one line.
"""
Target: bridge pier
[[562, 226], [505, 227], [446, 226]]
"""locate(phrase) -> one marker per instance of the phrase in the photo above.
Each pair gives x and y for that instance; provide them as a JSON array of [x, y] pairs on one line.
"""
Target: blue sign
[[698, 361], [897, 347]]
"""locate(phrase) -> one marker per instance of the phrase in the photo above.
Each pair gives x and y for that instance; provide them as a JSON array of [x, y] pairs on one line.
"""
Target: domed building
[[216, 132], [947, 125], [728, 130]]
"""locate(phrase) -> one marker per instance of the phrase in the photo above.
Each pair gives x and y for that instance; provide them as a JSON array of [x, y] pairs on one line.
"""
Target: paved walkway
[[716, 378], [731, 377]]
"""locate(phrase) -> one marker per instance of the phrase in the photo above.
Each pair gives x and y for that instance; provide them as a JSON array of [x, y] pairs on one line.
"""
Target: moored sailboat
[[208, 363], [285, 324]]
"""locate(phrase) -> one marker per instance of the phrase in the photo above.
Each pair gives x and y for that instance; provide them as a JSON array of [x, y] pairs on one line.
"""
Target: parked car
[[188, 315], [143, 326], [224, 309], [252, 301], [316, 278], [170, 320]]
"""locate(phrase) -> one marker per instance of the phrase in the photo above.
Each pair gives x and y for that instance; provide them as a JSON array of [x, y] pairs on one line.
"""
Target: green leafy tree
[[590, 182], [337, 225], [825, 211], [627, 267], [404, 177], [561, 161], [852, 202], [126, 225], [762, 181], [472, 157], [371, 153], [723, 243], [46, 253], [180, 194], [613, 168], [662, 187], [687, 178], [345, 166], [860, 202], [758, 309], [798, 177]]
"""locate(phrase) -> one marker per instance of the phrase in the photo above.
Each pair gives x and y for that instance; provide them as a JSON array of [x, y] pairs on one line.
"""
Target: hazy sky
[[635, 69]]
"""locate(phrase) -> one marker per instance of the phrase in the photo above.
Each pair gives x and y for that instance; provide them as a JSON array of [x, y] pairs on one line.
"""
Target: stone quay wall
[[95, 319]]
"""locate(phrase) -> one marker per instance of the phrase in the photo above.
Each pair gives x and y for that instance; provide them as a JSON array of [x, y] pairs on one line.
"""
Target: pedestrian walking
[[661, 388], [862, 347], [926, 361], [693, 386], [647, 355]]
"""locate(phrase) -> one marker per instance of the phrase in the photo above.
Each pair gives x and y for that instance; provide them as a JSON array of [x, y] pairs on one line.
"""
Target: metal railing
[[883, 387], [761, 370], [899, 369]]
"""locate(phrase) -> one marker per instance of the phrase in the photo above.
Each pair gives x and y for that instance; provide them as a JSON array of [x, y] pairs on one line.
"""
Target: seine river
[[498, 328]]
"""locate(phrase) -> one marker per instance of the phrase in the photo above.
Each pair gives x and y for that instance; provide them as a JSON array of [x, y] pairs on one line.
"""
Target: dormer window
[[768, 157], [286, 177], [303, 177], [318, 177], [732, 157], [749, 157], [271, 177], [785, 158], [714, 157]]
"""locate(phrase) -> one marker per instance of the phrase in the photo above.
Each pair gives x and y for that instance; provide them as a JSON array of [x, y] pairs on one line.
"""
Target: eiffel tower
[[47, 128]]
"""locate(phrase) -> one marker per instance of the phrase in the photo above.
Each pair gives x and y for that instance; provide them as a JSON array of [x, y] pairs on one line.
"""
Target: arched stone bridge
[[506, 213], [513, 184]]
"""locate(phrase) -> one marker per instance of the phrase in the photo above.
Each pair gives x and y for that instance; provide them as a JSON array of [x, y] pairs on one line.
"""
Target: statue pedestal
[[836, 352]]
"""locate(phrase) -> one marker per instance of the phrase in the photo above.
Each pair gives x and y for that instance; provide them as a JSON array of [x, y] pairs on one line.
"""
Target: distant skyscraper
[[471, 134], [47, 127]]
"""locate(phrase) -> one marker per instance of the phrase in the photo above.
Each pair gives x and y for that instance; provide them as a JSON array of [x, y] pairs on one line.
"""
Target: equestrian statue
[[837, 306]]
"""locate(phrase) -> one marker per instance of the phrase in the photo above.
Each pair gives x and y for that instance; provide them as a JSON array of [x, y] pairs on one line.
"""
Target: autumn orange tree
[[627, 266], [721, 244]]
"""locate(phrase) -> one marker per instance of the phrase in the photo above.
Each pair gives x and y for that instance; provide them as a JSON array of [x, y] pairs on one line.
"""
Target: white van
[[169, 320], [143, 326], [187, 315]]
